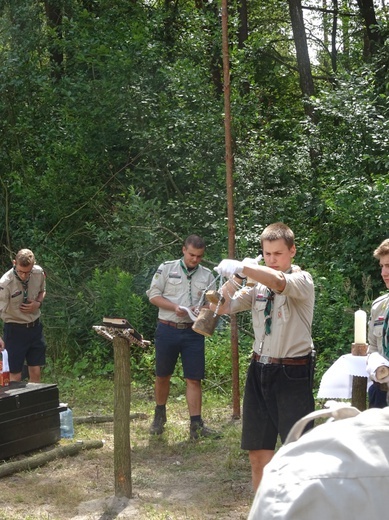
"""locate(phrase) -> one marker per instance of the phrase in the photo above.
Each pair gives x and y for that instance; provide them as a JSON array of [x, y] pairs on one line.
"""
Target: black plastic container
[[29, 417]]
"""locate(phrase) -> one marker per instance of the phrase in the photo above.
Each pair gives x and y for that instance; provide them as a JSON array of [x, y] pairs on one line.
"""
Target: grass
[[173, 478]]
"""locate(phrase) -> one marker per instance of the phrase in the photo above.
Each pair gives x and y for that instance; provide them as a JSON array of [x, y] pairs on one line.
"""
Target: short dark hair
[[196, 241], [278, 231], [382, 249]]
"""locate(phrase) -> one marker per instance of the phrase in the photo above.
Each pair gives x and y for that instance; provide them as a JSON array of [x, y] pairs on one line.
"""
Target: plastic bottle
[[4, 369], [66, 423]]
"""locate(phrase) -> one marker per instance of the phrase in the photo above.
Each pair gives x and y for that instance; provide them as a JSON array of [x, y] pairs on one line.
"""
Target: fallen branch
[[36, 461], [94, 419]]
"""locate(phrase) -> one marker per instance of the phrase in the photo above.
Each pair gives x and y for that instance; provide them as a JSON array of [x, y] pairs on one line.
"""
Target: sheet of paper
[[191, 314]]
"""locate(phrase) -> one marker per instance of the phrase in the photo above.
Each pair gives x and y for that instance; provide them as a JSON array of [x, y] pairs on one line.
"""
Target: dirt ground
[[172, 477]]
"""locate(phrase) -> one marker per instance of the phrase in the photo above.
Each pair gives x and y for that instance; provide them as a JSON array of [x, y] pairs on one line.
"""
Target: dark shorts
[[24, 343], [170, 343], [276, 396], [377, 397]]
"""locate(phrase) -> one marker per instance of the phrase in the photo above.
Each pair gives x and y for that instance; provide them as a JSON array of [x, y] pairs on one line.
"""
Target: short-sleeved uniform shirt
[[22, 343], [292, 316], [171, 282], [12, 294], [379, 309]]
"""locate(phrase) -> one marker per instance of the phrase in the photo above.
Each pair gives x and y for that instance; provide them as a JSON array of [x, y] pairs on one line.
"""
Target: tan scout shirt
[[376, 321], [171, 282], [292, 316], [11, 295]]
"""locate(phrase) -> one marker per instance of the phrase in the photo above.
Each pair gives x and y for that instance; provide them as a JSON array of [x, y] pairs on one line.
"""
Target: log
[[94, 419], [40, 459]]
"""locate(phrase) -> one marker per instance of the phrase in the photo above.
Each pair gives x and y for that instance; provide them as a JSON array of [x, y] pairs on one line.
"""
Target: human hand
[[229, 267], [30, 306], [382, 372], [2, 346]]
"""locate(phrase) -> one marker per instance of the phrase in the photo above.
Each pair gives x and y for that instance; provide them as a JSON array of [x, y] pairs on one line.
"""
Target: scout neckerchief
[[189, 274], [385, 335], [24, 285], [268, 312]]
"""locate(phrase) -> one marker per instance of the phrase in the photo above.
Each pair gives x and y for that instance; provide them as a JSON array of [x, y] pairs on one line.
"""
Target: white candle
[[360, 327]]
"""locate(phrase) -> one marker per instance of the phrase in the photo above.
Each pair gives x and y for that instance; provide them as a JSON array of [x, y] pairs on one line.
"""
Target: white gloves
[[230, 267]]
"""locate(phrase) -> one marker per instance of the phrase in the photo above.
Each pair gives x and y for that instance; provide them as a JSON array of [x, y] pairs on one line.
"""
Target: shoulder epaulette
[[5, 280], [380, 298]]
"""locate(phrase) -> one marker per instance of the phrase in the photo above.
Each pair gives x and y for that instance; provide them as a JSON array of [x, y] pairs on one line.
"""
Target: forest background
[[113, 151]]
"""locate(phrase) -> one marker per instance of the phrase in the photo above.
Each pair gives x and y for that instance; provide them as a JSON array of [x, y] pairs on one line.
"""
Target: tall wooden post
[[122, 398], [230, 203]]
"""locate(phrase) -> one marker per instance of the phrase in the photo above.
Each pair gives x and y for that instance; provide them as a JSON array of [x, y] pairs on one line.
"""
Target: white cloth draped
[[336, 382]]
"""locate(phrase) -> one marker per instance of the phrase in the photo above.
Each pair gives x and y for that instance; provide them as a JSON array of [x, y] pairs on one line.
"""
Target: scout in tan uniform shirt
[[379, 309], [22, 290], [176, 284], [278, 386]]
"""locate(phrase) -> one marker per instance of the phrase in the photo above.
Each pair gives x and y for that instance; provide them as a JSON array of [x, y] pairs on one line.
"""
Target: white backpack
[[339, 470]]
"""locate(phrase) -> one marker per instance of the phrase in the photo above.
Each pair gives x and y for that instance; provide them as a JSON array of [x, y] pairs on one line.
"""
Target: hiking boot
[[198, 429], [157, 426]]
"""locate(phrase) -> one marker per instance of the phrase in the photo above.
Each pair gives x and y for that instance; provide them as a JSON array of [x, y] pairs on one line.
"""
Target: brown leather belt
[[25, 325], [176, 325], [267, 360]]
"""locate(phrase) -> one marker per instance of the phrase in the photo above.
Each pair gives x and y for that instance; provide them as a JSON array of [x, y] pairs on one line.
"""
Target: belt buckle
[[30, 324], [265, 360], [181, 325]]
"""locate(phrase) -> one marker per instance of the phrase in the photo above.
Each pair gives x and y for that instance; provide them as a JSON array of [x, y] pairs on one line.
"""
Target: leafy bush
[[333, 322]]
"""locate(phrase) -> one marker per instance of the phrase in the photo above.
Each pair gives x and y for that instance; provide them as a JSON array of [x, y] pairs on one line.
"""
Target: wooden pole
[[121, 425], [359, 383], [230, 203]]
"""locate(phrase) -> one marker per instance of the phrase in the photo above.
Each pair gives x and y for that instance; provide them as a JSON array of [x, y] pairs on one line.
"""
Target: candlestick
[[360, 327]]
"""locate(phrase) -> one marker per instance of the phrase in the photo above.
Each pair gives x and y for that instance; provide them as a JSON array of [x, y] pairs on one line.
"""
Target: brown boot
[[157, 426]]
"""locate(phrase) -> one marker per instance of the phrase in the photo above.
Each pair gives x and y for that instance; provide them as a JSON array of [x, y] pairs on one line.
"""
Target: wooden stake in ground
[[119, 331], [359, 383], [121, 417]]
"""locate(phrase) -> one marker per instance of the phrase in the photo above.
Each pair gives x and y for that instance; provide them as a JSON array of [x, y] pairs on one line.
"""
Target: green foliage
[[111, 157], [333, 324], [108, 293], [218, 361]]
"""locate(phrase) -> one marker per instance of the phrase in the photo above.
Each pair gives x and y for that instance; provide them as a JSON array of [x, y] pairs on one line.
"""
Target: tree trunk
[[374, 36], [333, 37], [54, 21], [302, 54], [243, 24]]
